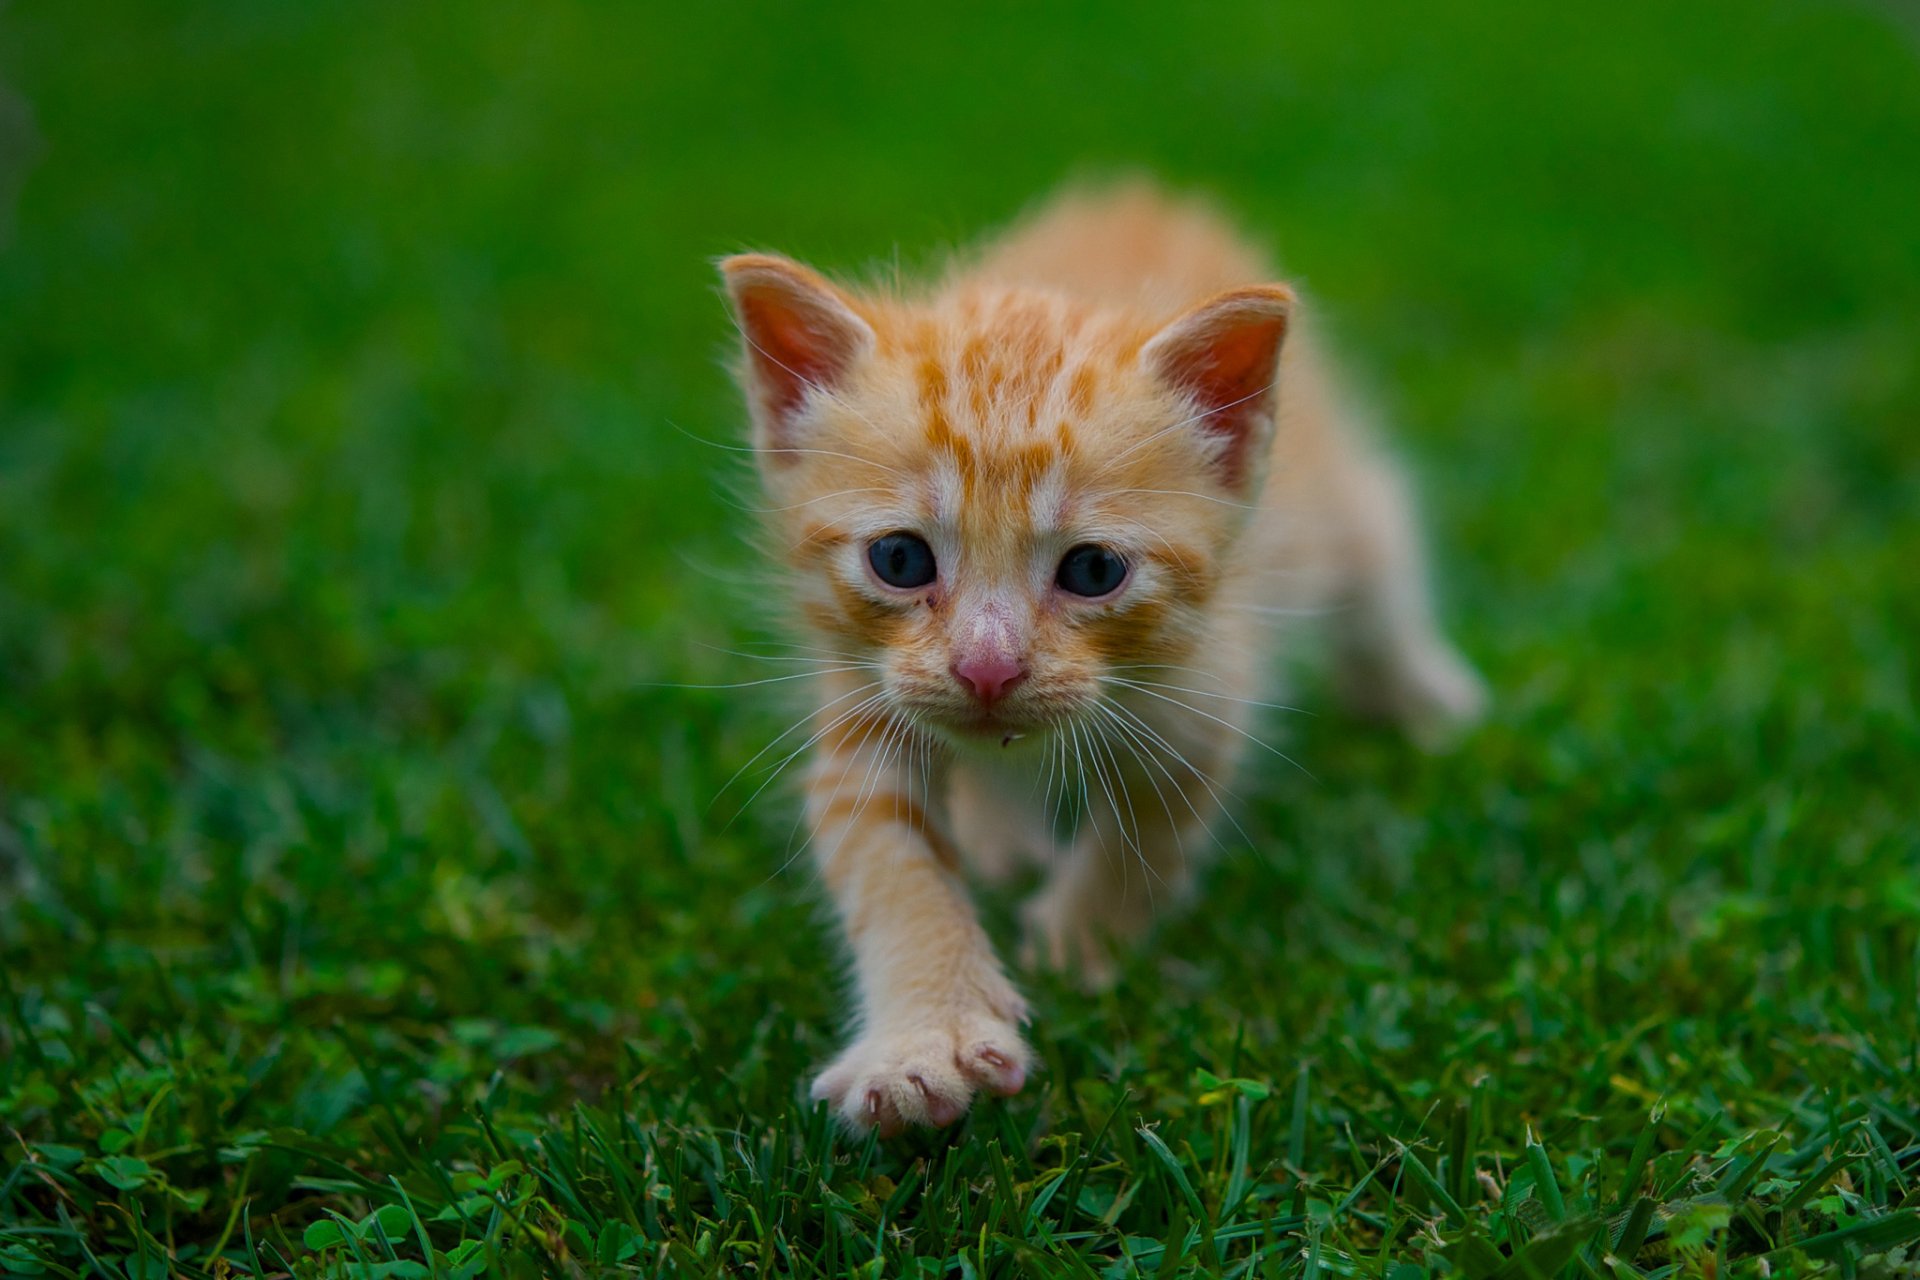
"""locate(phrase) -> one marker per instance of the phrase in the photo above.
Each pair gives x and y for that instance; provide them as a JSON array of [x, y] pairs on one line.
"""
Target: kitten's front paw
[[926, 1075]]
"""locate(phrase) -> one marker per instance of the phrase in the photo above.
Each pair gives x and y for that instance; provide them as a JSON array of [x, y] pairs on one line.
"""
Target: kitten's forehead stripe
[[932, 379], [1080, 391]]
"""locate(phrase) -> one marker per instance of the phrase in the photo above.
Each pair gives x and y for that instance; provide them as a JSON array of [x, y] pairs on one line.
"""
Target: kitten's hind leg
[[1132, 858], [1392, 661]]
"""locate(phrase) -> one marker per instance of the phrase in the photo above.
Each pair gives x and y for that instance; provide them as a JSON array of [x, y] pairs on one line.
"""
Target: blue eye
[[902, 560], [1091, 570]]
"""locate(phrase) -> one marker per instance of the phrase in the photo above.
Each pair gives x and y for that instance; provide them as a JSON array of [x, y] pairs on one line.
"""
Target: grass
[[365, 907]]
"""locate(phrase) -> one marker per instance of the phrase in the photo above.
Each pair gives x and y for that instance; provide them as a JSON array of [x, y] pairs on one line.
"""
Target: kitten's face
[[997, 499]]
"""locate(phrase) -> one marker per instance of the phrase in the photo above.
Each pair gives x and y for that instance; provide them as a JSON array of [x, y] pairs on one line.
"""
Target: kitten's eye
[[1091, 570], [902, 560]]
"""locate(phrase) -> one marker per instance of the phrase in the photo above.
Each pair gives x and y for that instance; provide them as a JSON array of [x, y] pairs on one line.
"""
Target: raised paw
[[926, 1075]]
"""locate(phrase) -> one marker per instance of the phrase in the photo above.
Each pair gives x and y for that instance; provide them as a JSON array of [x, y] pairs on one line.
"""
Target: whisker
[[923, 761], [1262, 743], [1278, 611], [1275, 613], [1206, 780], [885, 757], [831, 797], [756, 577], [895, 764], [839, 523], [1127, 843], [1127, 740], [1139, 851], [820, 649], [782, 766], [1086, 794], [1142, 443], [1138, 731], [1060, 801], [1188, 493], [795, 506], [796, 752], [1202, 672], [748, 684], [1144, 685], [1149, 529], [889, 744], [836, 656], [812, 712], [824, 453]]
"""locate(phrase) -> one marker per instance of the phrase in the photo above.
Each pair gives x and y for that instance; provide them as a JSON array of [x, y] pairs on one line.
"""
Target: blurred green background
[[361, 481]]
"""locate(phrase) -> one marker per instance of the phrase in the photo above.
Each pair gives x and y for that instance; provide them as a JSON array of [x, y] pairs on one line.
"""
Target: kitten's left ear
[[801, 337], [1225, 355]]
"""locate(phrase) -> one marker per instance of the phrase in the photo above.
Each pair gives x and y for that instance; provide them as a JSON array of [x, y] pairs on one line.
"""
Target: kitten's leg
[[1147, 818], [1392, 660], [938, 1018]]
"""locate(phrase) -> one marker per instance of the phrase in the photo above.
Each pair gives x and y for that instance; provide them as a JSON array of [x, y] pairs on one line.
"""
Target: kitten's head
[[1002, 497]]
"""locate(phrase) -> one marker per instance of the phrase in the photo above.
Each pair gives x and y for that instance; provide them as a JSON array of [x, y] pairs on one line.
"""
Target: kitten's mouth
[[990, 729]]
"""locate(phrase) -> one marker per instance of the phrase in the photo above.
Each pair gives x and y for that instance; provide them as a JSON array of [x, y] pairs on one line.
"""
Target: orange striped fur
[[1119, 372]]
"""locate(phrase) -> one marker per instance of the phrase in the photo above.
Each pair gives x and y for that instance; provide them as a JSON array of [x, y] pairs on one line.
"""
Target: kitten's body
[[1110, 375]]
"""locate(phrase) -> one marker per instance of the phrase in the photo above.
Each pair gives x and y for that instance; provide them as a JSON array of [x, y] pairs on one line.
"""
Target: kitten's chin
[[988, 731]]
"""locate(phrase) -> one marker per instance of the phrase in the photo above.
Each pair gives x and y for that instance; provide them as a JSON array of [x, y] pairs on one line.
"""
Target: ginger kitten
[[1042, 512]]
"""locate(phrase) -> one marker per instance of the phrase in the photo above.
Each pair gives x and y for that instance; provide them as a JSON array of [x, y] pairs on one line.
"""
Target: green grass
[[364, 894]]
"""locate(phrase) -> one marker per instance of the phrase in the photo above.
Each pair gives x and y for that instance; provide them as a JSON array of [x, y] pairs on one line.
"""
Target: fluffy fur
[[1118, 371]]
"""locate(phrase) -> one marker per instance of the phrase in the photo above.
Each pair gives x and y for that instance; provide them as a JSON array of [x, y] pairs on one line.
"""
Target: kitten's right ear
[[800, 333]]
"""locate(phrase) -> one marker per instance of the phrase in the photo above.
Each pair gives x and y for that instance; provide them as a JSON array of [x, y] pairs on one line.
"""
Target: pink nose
[[991, 676]]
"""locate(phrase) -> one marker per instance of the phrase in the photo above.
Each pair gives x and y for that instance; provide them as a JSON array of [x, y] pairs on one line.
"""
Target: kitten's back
[[1130, 246]]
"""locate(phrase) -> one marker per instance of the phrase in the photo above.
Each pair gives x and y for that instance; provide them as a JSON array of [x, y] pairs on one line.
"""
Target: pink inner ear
[[1238, 364], [1226, 356], [791, 347], [800, 333]]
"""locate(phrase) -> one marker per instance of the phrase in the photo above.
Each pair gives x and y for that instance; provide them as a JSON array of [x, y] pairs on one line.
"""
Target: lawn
[[371, 900]]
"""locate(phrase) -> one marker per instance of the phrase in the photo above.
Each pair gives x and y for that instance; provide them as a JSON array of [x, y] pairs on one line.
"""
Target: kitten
[[1045, 510]]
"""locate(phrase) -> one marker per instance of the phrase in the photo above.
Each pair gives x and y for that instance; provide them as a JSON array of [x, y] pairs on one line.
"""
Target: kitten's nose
[[990, 675]]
